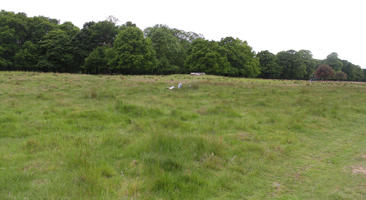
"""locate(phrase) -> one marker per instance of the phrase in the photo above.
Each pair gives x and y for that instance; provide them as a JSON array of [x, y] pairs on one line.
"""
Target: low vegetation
[[70, 136]]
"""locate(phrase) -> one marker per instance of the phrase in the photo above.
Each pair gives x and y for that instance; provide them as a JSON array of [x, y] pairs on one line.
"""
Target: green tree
[[127, 25], [268, 65], [93, 35], [292, 64], [7, 47], [185, 39], [17, 22], [27, 57], [13, 34], [97, 61], [56, 50], [4, 62], [207, 56], [169, 51], [38, 27], [241, 57], [187, 36], [69, 28], [354, 72], [103, 33], [134, 54], [20, 37], [334, 62], [310, 63]]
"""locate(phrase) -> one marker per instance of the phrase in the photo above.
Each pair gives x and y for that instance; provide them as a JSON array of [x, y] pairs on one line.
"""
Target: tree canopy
[[292, 65], [268, 65], [241, 58], [207, 56], [134, 53], [169, 51], [43, 44], [324, 72]]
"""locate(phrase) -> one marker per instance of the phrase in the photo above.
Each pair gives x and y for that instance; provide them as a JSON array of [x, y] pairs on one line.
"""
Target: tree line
[[43, 44]]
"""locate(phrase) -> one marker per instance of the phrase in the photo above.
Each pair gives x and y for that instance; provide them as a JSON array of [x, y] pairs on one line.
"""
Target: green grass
[[67, 136]]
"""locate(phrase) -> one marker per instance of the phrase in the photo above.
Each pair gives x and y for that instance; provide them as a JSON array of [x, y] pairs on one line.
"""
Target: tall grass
[[68, 136]]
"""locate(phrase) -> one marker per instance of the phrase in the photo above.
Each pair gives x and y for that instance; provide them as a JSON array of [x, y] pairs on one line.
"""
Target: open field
[[69, 136]]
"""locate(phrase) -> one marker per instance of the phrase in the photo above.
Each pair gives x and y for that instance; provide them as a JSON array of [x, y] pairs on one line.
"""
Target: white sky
[[321, 26]]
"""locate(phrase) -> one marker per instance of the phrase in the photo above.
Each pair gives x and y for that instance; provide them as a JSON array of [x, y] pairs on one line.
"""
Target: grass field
[[68, 136]]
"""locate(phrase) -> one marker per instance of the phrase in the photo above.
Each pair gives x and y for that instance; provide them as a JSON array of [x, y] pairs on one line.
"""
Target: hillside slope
[[68, 136]]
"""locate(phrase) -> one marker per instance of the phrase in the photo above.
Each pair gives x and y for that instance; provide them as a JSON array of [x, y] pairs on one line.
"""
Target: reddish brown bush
[[324, 72]]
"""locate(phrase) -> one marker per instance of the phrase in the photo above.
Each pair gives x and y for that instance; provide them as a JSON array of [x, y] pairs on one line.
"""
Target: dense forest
[[43, 44]]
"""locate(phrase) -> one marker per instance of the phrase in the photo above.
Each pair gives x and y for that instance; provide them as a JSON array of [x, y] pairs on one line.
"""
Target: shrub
[[340, 76], [324, 72]]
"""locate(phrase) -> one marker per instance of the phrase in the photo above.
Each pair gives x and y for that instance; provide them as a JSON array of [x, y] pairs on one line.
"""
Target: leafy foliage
[[333, 61], [340, 76], [169, 51], [354, 72], [134, 53], [306, 58], [207, 56], [268, 65], [43, 44], [292, 65], [91, 36], [56, 50], [241, 57], [324, 72], [39, 26], [97, 61], [27, 57], [7, 47]]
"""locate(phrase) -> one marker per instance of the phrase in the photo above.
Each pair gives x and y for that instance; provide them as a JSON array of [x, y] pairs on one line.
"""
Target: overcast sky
[[321, 26]]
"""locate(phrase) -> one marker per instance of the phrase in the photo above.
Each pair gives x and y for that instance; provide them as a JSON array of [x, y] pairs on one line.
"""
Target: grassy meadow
[[70, 136]]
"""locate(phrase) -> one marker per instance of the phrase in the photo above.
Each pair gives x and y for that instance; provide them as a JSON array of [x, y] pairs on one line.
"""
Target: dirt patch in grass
[[277, 186], [359, 170]]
